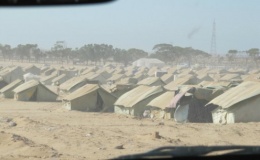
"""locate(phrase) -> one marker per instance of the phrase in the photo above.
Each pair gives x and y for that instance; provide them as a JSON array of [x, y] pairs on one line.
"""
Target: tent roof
[[204, 76], [150, 81], [186, 71], [229, 77], [166, 77], [202, 71], [136, 95], [30, 67], [256, 71], [163, 101], [237, 71], [119, 71], [116, 77], [89, 74], [252, 77], [217, 70], [94, 76], [214, 84], [104, 73], [26, 85], [46, 78], [152, 71], [72, 82], [207, 94], [128, 80], [87, 70], [179, 81], [59, 77], [82, 91], [172, 70], [139, 75], [237, 94], [11, 85], [51, 69], [8, 70]]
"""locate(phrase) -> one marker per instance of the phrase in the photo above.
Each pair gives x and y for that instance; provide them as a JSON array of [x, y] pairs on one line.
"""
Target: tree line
[[252, 54], [102, 53], [95, 53]]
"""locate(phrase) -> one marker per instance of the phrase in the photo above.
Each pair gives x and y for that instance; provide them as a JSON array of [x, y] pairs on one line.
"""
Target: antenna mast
[[213, 47]]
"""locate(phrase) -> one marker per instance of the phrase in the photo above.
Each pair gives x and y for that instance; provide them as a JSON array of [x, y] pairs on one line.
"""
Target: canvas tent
[[7, 91], [10, 74], [90, 98], [2, 83], [34, 91], [238, 104], [32, 69], [159, 107], [189, 104], [134, 102]]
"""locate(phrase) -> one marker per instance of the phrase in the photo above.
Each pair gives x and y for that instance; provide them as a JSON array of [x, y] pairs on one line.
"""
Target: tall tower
[[213, 47]]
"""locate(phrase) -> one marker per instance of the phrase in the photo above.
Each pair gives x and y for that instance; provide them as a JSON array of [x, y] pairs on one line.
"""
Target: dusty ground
[[46, 131]]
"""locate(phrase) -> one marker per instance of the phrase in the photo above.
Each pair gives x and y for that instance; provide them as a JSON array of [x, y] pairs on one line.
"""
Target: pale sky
[[137, 24]]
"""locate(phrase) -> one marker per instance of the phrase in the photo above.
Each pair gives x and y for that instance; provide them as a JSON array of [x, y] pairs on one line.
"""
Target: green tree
[[231, 55], [6, 51], [254, 54], [58, 50], [136, 54], [165, 52]]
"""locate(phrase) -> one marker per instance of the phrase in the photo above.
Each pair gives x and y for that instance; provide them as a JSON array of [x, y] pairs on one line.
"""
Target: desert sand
[[40, 130]]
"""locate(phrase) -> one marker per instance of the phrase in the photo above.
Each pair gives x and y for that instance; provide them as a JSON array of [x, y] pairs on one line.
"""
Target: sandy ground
[[47, 131]]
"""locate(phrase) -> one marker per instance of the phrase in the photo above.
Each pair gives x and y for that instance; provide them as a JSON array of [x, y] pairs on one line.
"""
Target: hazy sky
[[137, 24]]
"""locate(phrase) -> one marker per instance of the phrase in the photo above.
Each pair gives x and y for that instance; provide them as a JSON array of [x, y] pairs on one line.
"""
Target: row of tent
[[183, 94], [188, 104]]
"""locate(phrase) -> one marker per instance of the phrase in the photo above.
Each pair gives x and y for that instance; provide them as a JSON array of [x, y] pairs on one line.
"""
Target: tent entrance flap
[[181, 113], [99, 103], [34, 96]]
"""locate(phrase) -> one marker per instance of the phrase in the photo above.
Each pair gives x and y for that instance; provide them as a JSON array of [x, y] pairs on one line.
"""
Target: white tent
[[148, 62]]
